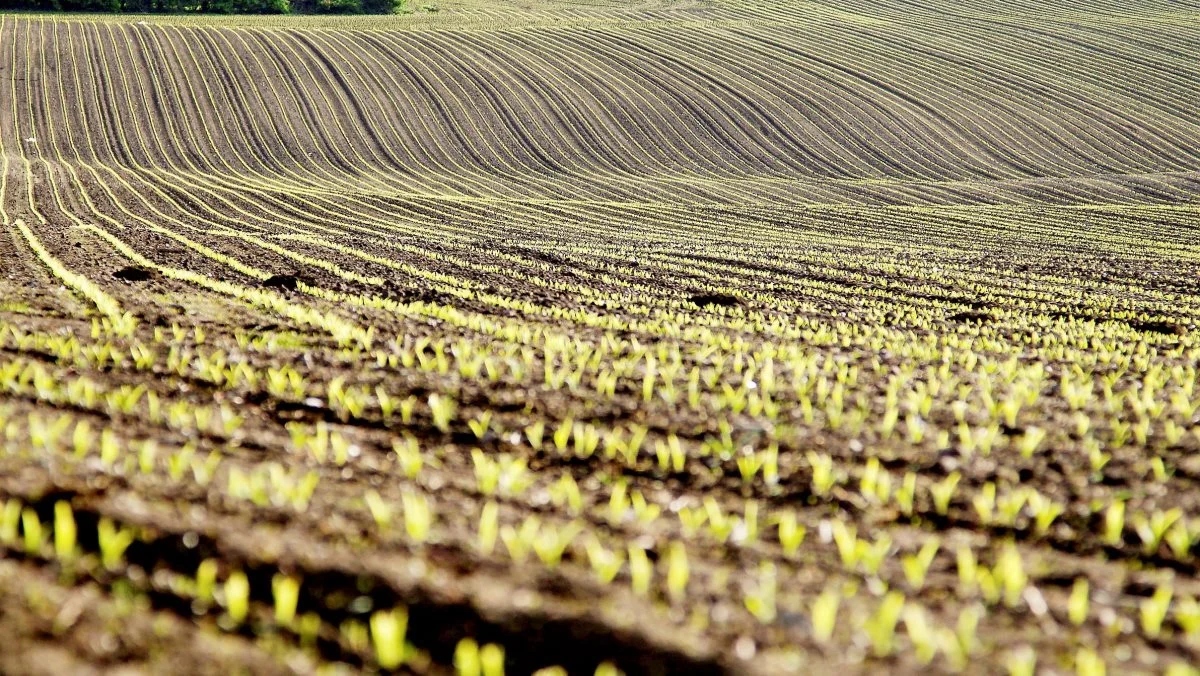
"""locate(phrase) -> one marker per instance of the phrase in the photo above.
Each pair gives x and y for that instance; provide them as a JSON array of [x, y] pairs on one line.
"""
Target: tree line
[[210, 6]]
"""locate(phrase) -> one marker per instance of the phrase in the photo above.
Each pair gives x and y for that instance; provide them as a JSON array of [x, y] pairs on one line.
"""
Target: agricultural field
[[673, 337]]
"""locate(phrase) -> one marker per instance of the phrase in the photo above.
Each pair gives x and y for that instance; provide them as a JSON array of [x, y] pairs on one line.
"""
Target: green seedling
[[206, 580], [286, 591], [491, 660], [640, 570], [113, 543], [489, 527], [1154, 610], [791, 533], [761, 603], [237, 596], [33, 535], [466, 658], [388, 630], [917, 566], [1078, 602], [64, 531], [418, 515], [824, 614], [605, 563], [881, 627], [1088, 663], [442, 408], [943, 491], [677, 571]]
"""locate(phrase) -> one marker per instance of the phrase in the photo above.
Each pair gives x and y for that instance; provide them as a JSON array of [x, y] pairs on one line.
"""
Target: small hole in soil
[[1162, 328], [720, 299], [970, 317], [282, 282], [133, 274]]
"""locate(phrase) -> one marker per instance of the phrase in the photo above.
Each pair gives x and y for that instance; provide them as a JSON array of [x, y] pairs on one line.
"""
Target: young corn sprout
[[1077, 603], [943, 491], [876, 483], [1021, 662], [466, 658], [110, 450], [286, 591], [791, 533], [1009, 572], [1153, 610], [761, 602], [505, 475], [113, 542], [32, 529], [491, 660], [489, 527], [720, 525], [1030, 441], [640, 570], [388, 630], [442, 408], [551, 542], [605, 563], [1088, 663], [872, 555], [968, 569], [418, 515], [64, 531], [746, 530], [608, 669], [917, 566], [10, 521], [644, 511], [480, 425], [408, 452], [1152, 529], [308, 627], [562, 435], [881, 627], [770, 465], [206, 580], [1180, 539], [381, 512], [1044, 510], [677, 571], [965, 629], [823, 477], [237, 596], [534, 434], [1114, 524], [565, 493], [519, 542], [920, 633], [984, 503], [824, 614], [1187, 616], [670, 454], [81, 439], [586, 439], [906, 492], [146, 456]]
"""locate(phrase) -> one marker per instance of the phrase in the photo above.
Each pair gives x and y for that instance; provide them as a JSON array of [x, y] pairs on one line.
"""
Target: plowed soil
[[379, 306]]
